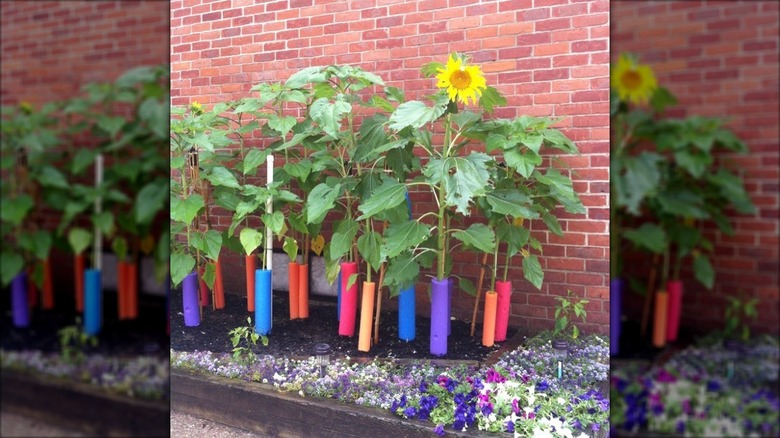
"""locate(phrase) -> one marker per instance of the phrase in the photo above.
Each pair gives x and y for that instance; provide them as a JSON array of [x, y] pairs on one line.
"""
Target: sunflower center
[[460, 79], [631, 80]]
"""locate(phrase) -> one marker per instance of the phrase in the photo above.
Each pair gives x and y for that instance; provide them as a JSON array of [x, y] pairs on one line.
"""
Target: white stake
[[269, 208], [98, 262]]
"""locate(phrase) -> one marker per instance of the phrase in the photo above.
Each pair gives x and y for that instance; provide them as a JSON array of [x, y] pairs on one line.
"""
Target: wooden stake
[[479, 293], [649, 294], [378, 302]]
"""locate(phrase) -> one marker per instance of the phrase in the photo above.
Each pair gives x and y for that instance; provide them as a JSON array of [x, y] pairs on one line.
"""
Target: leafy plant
[[738, 311], [665, 178], [563, 315], [247, 336], [74, 341]]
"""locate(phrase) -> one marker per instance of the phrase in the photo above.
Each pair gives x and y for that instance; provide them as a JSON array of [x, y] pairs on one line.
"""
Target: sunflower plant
[[506, 179], [664, 171]]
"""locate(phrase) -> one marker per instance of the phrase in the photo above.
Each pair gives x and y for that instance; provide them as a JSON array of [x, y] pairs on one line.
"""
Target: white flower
[[561, 401]]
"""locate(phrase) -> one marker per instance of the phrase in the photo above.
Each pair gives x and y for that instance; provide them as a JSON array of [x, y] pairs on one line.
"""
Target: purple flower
[[410, 411], [542, 386], [423, 386], [493, 376], [439, 430], [525, 378], [487, 409], [664, 376], [681, 427], [403, 401], [686, 406], [515, 406], [595, 427], [713, 386], [510, 426]]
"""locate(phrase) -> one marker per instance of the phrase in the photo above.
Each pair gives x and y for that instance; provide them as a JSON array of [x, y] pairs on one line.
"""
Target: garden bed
[[296, 338]]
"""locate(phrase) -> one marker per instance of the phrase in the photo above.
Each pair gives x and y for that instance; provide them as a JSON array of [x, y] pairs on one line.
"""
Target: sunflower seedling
[[249, 337]]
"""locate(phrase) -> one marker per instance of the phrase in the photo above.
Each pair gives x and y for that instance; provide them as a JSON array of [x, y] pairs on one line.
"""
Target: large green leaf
[[150, 200], [282, 125], [490, 98], [478, 236], [401, 273], [648, 236], [38, 243], [11, 264], [509, 202], [82, 159], [524, 162], [342, 239], [387, 196], [251, 239], [275, 221], [400, 237], [683, 202], [321, 200], [467, 178], [641, 178], [370, 247], [290, 247], [79, 239], [515, 237], [703, 271], [51, 177], [181, 266], [254, 158], [110, 125], [221, 176], [415, 114], [185, 210], [212, 241], [328, 114], [15, 209], [532, 271], [306, 76]]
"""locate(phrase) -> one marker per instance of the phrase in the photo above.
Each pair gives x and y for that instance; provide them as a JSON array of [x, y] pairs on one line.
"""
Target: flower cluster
[[702, 391], [143, 377], [520, 394]]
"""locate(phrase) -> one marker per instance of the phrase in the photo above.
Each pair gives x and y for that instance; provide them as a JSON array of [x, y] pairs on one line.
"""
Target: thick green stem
[[495, 269], [441, 237]]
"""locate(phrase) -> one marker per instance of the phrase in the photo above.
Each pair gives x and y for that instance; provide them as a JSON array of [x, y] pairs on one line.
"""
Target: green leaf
[[395, 94], [648, 236], [342, 239], [514, 237], [290, 247], [490, 98], [695, 163], [250, 239], [352, 280], [524, 162], [11, 265], [221, 176], [388, 195], [212, 241], [401, 273], [51, 177], [641, 178], [478, 236], [275, 221], [15, 209], [552, 223], [466, 178], [181, 266], [254, 158], [370, 247], [321, 200], [467, 286], [703, 271], [79, 239], [111, 125], [532, 271], [185, 210], [509, 202], [150, 201], [282, 125], [119, 246], [306, 76], [415, 114], [400, 237], [328, 115], [82, 159], [104, 221]]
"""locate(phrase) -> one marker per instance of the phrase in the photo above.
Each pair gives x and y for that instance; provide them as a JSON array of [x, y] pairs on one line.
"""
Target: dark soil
[[146, 335], [296, 338]]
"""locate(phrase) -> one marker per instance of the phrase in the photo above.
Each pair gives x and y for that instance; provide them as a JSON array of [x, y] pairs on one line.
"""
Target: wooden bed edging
[[79, 406]]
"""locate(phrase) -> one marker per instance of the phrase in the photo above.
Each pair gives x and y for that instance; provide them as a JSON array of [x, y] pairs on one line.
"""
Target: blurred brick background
[[51, 48], [549, 57], [720, 58]]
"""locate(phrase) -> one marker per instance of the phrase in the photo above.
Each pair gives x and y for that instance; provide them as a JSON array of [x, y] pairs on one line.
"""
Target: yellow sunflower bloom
[[633, 82], [196, 107], [463, 82]]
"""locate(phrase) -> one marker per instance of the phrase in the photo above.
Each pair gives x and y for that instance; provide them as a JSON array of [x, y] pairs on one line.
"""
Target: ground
[[296, 338]]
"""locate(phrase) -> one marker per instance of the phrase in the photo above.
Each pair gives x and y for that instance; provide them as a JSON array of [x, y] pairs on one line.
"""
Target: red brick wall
[[549, 57], [720, 58], [50, 49]]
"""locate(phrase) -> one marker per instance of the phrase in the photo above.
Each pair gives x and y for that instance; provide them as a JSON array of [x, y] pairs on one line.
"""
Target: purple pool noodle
[[190, 298], [21, 312], [439, 312], [615, 303], [450, 288]]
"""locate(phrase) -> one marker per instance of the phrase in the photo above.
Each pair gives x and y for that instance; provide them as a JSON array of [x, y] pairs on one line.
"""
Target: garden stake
[[378, 302], [649, 294], [479, 292]]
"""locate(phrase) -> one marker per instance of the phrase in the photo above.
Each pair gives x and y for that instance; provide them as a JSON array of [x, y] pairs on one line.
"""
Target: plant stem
[[495, 269], [441, 237]]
